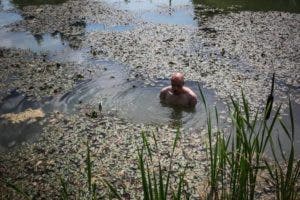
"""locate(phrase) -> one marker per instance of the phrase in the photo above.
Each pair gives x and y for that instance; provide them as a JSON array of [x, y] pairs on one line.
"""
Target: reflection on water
[[6, 5], [250, 5], [254, 5], [186, 11], [279, 132], [180, 17], [36, 43], [147, 5], [22, 3], [8, 18], [161, 11], [12, 134]]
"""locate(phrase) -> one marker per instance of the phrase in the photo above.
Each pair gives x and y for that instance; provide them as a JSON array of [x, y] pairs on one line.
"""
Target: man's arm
[[193, 101], [163, 93], [192, 96]]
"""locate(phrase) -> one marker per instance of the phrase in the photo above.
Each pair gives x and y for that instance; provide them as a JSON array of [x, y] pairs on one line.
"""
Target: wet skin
[[177, 94]]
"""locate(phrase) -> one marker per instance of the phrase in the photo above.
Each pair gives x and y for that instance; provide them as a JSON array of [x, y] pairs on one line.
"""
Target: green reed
[[16, 188], [235, 158], [235, 162], [156, 184], [285, 175], [90, 192]]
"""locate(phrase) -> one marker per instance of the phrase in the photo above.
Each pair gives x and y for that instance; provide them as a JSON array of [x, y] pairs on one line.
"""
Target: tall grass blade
[[151, 191], [89, 168], [179, 190], [156, 194], [202, 97], [16, 189], [270, 129], [143, 173], [94, 191], [292, 118], [285, 129], [64, 192], [177, 136], [270, 100], [113, 190], [161, 183], [281, 149], [246, 109], [146, 143]]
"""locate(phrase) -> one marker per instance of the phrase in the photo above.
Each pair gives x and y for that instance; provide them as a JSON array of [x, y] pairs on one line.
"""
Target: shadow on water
[[22, 3], [253, 5], [279, 132], [12, 134]]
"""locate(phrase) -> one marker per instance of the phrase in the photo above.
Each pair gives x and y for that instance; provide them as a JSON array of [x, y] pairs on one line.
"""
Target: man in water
[[178, 95]]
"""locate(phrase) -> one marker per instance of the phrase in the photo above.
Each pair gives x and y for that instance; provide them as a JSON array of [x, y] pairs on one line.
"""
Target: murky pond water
[[117, 92], [254, 5], [190, 12], [12, 134], [134, 100], [22, 3]]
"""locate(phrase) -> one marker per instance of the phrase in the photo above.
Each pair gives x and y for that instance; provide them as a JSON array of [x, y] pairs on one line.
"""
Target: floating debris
[[23, 116]]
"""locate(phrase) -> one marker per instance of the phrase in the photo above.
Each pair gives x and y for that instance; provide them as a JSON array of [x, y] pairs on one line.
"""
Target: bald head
[[177, 82], [177, 78], [177, 94]]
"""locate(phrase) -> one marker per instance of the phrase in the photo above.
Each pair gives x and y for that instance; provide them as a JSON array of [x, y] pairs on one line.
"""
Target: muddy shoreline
[[226, 53]]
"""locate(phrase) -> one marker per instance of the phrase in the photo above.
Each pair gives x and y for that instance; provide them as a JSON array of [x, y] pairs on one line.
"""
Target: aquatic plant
[[89, 192], [156, 184], [285, 175], [236, 161], [16, 188]]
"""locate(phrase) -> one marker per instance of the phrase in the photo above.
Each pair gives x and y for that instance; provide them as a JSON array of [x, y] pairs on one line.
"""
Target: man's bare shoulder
[[190, 92], [165, 89]]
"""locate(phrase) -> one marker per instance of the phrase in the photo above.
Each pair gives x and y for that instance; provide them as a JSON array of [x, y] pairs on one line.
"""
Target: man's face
[[176, 86]]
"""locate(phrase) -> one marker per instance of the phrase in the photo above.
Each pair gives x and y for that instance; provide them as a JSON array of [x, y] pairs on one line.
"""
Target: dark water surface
[[126, 97], [22, 3], [12, 134], [191, 12], [254, 5], [134, 100]]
